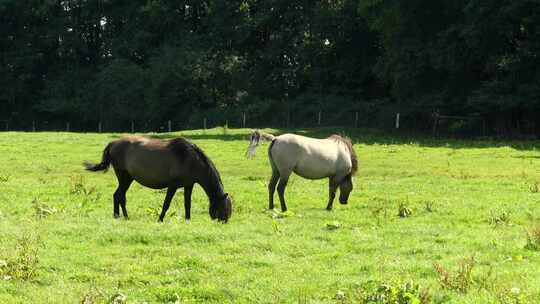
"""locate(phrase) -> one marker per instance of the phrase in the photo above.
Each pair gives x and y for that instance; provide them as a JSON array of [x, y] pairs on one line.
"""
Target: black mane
[[182, 148], [211, 167]]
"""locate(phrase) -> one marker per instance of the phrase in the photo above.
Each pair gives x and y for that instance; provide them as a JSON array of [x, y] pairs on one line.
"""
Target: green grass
[[468, 201]]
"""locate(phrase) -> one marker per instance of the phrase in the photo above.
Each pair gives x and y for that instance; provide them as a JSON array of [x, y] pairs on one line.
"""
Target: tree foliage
[[150, 61]]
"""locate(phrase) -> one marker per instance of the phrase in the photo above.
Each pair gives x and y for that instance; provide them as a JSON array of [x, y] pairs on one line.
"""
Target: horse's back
[[310, 157], [148, 161]]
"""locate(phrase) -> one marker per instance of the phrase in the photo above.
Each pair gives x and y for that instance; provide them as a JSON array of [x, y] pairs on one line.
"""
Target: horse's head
[[345, 189], [221, 208]]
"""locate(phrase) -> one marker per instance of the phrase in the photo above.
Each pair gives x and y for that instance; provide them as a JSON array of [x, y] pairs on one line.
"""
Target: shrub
[[403, 210], [24, 264], [501, 218], [385, 293], [533, 239], [461, 279]]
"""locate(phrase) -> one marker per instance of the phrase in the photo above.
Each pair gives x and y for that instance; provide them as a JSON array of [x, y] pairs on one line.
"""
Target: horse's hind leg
[[124, 181], [272, 188], [281, 191], [170, 193], [332, 188]]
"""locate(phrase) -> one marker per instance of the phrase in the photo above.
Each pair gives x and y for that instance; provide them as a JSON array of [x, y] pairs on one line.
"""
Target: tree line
[[279, 61]]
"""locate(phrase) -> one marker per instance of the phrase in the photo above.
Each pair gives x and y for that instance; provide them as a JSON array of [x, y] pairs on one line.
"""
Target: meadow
[[433, 220]]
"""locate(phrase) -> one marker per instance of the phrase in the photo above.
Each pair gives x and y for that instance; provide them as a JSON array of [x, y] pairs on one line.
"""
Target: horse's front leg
[[332, 188], [170, 193], [116, 204], [187, 201]]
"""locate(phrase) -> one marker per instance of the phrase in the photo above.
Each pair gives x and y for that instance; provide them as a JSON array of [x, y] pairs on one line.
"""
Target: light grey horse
[[311, 158]]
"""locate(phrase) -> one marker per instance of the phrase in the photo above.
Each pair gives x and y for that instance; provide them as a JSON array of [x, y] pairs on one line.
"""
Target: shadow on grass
[[358, 136]]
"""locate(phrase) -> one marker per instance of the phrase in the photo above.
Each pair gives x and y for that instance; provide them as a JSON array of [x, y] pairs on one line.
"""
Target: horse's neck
[[211, 185]]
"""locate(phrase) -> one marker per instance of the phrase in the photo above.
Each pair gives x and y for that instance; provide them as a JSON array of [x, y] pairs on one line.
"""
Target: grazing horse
[[311, 158], [159, 164]]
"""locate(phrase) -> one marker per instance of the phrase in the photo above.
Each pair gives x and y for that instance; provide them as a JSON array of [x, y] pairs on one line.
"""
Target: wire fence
[[436, 125], [244, 120]]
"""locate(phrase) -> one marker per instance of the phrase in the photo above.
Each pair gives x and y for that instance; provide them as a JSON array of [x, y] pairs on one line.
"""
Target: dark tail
[[105, 161]]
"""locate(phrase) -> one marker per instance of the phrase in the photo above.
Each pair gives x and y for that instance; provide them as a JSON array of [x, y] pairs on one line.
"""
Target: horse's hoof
[[116, 216], [328, 208]]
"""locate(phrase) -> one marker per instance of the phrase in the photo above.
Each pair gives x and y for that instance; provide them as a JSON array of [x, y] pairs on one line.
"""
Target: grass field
[[466, 234]]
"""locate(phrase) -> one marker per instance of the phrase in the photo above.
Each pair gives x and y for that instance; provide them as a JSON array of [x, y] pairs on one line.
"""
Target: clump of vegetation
[[380, 211], [275, 226], [333, 225], [77, 186], [533, 239], [252, 178], [501, 218], [23, 265], [534, 187], [512, 296], [404, 210], [42, 210], [118, 298], [4, 178], [166, 295], [428, 206], [100, 296], [461, 279], [89, 194], [274, 213], [386, 293], [155, 211]]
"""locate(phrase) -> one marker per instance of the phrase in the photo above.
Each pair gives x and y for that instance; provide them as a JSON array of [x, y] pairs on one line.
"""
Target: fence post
[[204, 123], [132, 126], [435, 123], [99, 126], [67, 126], [356, 120], [319, 119], [169, 125], [33, 126], [243, 119], [397, 121]]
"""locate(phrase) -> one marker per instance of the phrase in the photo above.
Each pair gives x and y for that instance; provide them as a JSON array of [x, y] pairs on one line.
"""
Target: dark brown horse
[[159, 164]]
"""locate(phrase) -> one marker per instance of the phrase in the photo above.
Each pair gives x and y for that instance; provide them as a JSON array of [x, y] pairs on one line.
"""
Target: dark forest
[[456, 66]]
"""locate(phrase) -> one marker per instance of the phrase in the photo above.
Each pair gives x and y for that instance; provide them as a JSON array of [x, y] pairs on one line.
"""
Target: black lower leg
[[124, 181], [271, 189], [332, 189], [123, 205], [116, 199], [187, 201], [281, 192], [167, 203]]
